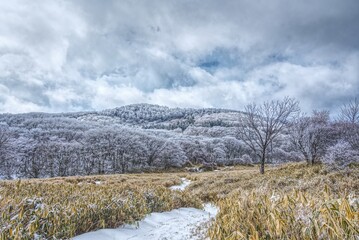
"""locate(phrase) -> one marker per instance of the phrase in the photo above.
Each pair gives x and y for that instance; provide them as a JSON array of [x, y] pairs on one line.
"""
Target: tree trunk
[[262, 164], [262, 168], [306, 156]]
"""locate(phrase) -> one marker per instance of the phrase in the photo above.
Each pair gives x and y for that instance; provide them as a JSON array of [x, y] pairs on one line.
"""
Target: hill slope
[[129, 138]]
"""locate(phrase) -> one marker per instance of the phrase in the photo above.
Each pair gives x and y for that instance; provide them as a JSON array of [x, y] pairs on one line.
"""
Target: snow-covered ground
[[178, 224], [182, 186]]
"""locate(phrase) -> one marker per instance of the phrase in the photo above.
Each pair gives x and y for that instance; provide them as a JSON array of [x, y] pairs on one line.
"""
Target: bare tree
[[154, 147], [311, 136], [349, 112], [260, 125], [349, 122]]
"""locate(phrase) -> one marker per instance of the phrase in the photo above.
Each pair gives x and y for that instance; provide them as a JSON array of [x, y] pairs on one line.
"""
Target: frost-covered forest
[[146, 137]]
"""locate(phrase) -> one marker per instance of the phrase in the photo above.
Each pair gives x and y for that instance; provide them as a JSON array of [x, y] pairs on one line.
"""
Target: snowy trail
[[178, 224], [182, 186]]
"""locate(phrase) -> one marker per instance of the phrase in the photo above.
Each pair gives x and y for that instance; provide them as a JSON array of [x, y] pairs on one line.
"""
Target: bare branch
[[261, 125]]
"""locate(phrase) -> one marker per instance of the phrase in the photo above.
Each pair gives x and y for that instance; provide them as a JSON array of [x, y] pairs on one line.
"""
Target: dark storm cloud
[[80, 55]]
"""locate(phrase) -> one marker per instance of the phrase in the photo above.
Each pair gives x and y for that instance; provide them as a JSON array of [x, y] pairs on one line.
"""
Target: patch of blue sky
[[220, 58]]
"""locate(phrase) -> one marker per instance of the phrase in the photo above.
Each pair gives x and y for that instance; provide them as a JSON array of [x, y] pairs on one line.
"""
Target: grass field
[[292, 201], [65, 207]]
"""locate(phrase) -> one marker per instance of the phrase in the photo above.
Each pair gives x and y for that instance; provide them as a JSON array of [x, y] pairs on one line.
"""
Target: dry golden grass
[[292, 201], [64, 207], [295, 215], [213, 186]]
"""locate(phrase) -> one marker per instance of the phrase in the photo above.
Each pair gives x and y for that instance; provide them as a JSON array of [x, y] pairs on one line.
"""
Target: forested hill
[[143, 137], [160, 117], [124, 139], [142, 115]]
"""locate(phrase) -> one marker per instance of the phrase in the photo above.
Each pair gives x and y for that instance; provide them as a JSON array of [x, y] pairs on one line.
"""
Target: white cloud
[[90, 54]]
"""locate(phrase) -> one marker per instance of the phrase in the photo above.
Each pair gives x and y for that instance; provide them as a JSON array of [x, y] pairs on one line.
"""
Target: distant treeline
[[146, 137]]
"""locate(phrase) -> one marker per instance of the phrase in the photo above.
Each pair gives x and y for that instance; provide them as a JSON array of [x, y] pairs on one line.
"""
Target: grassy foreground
[[293, 201], [61, 208], [289, 202]]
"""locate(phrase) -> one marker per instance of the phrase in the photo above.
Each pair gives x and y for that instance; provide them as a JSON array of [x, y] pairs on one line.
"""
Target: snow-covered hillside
[[131, 138], [158, 117]]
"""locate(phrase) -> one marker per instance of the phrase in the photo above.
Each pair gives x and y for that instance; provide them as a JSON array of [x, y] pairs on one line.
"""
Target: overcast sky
[[79, 55]]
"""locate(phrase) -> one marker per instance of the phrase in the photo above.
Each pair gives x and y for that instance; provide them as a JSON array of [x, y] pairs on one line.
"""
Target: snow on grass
[[178, 224], [182, 186]]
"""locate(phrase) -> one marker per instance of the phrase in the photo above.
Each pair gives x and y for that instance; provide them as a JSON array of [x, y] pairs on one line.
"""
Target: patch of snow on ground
[[184, 184], [178, 224]]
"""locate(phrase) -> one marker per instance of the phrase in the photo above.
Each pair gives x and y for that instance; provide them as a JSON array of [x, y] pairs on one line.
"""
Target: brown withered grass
[[292, 201], [61, 208]]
